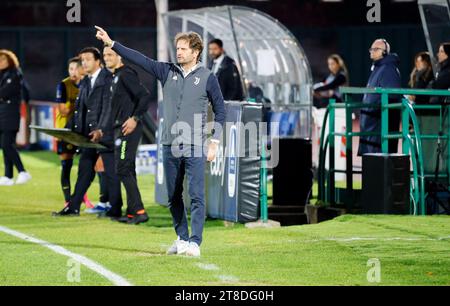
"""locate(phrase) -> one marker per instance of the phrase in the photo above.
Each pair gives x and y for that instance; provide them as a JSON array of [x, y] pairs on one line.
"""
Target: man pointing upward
[[188, 88]]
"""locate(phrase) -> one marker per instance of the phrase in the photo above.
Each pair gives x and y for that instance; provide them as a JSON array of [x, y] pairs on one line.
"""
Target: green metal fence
[[410, 135]]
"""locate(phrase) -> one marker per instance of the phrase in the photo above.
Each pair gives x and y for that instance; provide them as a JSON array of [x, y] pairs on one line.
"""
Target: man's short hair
[[76, 60], [194, 40], [217, 41], [94, 51], [387, 46]]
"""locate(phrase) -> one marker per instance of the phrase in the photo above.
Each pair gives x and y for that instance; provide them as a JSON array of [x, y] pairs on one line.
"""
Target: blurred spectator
[[256, 93], [11, 85], [443, 76], [66, 96], [226, 71], [26, 102], [329, 88], [421, 76], [385, 74]]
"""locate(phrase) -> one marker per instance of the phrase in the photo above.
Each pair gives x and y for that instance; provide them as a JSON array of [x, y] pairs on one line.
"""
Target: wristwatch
[[136, 118]]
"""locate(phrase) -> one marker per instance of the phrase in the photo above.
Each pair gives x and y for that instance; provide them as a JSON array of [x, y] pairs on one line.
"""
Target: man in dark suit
[[226, 71], [92, 119]]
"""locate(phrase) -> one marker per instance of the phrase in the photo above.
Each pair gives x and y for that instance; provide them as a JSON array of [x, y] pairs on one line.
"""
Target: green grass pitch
[[411, 250]]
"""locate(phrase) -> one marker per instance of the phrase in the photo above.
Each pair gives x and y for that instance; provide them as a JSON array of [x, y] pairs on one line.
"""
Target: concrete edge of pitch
[[263, 224]]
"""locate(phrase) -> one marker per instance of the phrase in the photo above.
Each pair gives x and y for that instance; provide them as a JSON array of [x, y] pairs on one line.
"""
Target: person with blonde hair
[[329, 88], [421, 76], [11, 82]]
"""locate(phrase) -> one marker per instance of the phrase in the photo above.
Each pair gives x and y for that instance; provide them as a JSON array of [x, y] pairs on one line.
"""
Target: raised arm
[[159, 70]]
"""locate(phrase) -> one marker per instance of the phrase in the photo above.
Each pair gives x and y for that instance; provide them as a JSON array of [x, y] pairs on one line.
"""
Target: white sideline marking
[[221, 277], [211, 268], [208, 267], [111, 276], [228, 278]]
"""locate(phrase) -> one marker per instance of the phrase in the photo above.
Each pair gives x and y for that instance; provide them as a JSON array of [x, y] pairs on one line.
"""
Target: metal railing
[[411, 141]]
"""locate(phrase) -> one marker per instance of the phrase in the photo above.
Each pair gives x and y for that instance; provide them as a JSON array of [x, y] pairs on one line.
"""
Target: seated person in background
[[421, 76], [443, 76], [256, 93], [329, 88]]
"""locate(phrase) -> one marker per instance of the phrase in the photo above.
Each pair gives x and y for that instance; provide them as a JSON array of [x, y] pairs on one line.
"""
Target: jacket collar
[[95, 76], [192, 71], [124, 67], [5, 73], [391, 58], [100, 81], [445, 64], [218, 61]]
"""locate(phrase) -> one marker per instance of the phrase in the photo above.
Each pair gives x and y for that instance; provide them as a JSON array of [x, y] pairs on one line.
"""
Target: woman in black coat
[[329, 88], [10, 99], [443, 76], [421, 76]]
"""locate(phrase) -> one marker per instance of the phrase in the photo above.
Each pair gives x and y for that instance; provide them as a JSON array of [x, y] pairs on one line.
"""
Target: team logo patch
[[118, 142], [8, 81], [123, 150], [197, 81]]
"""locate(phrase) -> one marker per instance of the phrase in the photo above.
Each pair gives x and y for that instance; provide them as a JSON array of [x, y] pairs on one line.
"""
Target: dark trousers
[[86, 174], [371, 122], [175, 167], [125, 158], [11, 156]]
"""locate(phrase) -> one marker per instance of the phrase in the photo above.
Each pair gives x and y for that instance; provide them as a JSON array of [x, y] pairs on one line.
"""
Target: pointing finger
[[99, 29]]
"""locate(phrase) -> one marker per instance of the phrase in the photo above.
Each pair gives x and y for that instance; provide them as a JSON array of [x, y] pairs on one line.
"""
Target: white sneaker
[[23, 178], [98, 209], [179, 247], [6, 181], [193, 250]]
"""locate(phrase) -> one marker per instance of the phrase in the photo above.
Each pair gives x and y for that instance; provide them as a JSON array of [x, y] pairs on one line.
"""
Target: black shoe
[[123, 219], [66, 212], [137, 219], [103, 215]]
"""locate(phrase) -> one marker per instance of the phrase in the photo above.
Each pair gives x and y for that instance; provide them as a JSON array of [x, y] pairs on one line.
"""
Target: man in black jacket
[[226, 71], [130, 100], [385, 74], [92, 119]]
